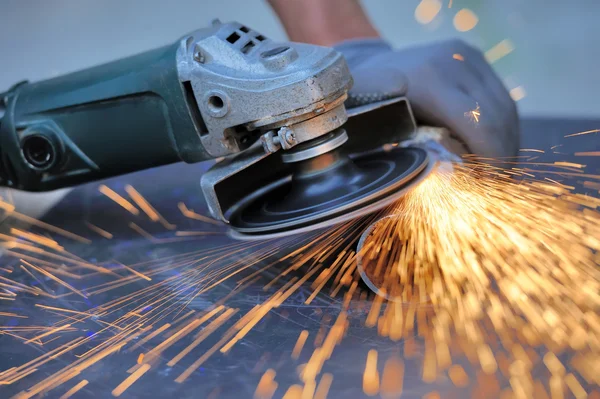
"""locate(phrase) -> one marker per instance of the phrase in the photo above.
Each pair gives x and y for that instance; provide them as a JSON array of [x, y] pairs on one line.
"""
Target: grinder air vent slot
[[194, 109], [248, 46], [233, 38], [247, 36]]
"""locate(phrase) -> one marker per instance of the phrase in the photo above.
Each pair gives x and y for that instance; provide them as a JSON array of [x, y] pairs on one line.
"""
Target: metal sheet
[[268, 345]]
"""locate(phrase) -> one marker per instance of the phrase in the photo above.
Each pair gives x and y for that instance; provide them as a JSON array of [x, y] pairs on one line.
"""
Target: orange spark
[[582, 133], [136, 272], [499, 51], [9, 314], [99, 231], [36, 239], [458, 376], [570, 164], [51, 276], [75, 389], [392, 379], [427, 10], [517, 93], [188, 213], [10, 209], [371, 375], [465, 20], [474, 114], [147, 208], [129, 381], [531, 150], [299, 344], [119, 199], [53, 331], [324, 386], [266, 386]]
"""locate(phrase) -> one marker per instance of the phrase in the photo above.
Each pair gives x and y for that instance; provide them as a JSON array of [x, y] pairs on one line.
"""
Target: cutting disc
[[328, 189]]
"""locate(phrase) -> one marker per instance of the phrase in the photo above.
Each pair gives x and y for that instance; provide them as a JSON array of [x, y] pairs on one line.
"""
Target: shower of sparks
[[485, 276], [505, 264]]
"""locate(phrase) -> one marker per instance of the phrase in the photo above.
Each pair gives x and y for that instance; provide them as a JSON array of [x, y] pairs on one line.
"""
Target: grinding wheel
[[327, 189]]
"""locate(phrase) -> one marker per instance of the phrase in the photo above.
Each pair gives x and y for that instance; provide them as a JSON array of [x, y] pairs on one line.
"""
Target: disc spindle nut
[[287, 138]]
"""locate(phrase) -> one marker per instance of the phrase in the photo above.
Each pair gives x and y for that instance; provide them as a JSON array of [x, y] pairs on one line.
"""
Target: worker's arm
[[323, 22], [449, 84]]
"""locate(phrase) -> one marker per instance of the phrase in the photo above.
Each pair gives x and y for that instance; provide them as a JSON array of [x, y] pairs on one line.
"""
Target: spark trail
[[497, 260]]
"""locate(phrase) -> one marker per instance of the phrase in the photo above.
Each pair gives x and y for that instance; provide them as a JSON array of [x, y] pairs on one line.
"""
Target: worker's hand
[[448, 84]]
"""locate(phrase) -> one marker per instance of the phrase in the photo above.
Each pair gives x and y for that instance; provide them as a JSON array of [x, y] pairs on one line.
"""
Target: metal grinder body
[[269, 109]]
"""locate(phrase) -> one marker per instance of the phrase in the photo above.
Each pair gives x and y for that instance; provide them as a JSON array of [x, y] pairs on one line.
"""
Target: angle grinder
[[294, 152]]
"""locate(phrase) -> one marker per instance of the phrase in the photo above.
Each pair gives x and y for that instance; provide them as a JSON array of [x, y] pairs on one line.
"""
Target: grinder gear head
[[247, 86], [307, 171]]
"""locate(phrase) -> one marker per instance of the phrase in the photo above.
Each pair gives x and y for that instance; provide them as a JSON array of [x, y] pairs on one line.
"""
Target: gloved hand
[[443, 90]]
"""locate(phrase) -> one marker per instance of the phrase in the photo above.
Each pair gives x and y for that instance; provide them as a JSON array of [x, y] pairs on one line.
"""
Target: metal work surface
[[183, 237]]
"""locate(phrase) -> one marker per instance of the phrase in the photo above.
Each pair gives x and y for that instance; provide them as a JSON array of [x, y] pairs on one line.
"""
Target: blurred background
[[546, 52]]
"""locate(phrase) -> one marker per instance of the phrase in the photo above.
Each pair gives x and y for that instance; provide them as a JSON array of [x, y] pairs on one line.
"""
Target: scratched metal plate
[[268, 345]]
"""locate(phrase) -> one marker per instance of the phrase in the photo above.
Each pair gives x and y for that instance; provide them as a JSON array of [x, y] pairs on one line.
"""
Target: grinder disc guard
[[328, 189]]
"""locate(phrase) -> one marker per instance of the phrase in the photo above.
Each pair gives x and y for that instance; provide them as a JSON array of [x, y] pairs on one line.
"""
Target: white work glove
[[443, 90]]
